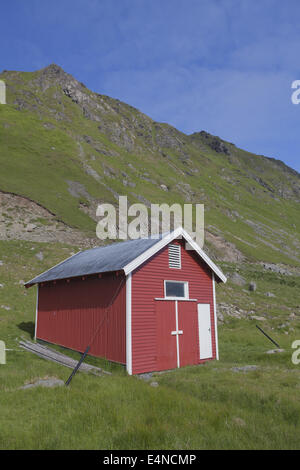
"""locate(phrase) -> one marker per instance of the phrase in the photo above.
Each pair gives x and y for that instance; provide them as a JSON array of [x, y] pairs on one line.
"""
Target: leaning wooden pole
[[269, 337], [77, 366]]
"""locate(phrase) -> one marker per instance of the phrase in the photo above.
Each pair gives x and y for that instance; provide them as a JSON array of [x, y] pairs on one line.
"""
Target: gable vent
[[175, 256]]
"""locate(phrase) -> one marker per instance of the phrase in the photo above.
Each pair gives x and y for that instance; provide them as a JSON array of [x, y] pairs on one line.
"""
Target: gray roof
[[108, 258]]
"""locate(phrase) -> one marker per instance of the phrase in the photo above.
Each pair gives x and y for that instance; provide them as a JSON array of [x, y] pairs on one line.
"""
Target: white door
[[204, 326]]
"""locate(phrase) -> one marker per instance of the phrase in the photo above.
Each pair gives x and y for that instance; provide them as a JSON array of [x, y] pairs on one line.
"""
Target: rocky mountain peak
[[53, 75], [52, 69], [214, 142]]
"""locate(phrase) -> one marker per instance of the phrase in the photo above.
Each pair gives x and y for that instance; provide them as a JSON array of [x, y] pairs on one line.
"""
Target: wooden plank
[[55, 356]]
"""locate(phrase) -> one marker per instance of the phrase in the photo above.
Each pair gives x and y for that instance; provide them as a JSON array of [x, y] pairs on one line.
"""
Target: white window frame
[[186, 290]]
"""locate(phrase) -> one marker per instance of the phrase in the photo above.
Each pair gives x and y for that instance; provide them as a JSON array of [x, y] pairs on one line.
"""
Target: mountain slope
[[63, 149], [67, 149]]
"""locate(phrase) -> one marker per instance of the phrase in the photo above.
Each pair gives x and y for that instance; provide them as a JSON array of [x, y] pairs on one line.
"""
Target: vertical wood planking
[[148, 284]]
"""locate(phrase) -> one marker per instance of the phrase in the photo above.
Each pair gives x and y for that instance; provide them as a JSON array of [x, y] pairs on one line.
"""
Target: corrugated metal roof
[[102, 259]]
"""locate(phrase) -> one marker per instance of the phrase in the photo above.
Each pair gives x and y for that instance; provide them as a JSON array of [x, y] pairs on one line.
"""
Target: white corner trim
[[128, 324], [36, 311], [179, 232], [215, 317]]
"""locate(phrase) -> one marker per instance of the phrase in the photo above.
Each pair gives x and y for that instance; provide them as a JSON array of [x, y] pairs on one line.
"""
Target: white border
[[177, 334], [215, 317], [128, 323], [36, 311], [179, 232], [186, 290], [176, 298]]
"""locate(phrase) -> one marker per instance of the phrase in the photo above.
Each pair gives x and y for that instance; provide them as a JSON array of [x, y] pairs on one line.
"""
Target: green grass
[[202, 407], [37, 162]]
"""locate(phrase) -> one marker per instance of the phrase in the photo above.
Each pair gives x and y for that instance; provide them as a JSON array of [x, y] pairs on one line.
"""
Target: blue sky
[[224, 66]]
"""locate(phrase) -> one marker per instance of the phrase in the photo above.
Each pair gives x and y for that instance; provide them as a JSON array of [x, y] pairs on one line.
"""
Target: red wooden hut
[[148, 303]]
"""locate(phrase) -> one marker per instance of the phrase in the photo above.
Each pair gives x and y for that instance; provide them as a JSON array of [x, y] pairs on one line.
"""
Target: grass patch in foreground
[[194, 408], [201, 407]]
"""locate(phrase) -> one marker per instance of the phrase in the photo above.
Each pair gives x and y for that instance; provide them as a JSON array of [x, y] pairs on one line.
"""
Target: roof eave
[[30, 284], [33, 281]]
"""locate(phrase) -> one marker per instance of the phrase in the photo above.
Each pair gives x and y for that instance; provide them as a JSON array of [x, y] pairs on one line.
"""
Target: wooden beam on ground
[[55, 356]]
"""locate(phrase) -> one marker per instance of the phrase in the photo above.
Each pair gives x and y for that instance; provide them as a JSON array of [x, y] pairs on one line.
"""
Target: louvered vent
[[174, 256]]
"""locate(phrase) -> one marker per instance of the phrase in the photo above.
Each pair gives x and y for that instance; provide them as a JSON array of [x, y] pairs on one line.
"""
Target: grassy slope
[[195, 407], [37, 162]]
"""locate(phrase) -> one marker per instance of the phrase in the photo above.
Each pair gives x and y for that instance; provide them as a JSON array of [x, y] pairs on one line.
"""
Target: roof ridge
[[94, 256], [126, 255]]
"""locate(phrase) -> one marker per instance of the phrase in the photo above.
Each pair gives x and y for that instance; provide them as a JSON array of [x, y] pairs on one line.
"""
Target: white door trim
[[177, 333], [129, 324]]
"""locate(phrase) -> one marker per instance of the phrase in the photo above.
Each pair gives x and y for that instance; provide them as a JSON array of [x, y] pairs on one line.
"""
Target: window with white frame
[[176, 289], [175, 256]]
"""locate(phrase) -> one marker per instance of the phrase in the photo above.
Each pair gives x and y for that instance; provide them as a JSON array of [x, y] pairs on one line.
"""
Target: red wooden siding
[[70, 313], [189, 341], [148, 284], [166, 343]]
